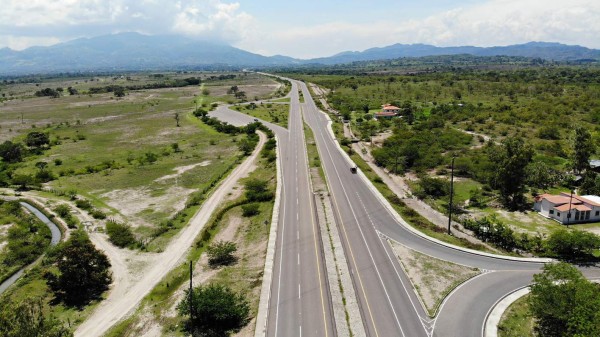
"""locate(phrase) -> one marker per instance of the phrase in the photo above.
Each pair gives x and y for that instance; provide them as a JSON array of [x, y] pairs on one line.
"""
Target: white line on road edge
[[265, 292], [492, 319], [402, 222]]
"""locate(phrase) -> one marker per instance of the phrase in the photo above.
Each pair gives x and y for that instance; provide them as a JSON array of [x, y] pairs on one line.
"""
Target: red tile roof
[[385, 114], [566, 207]]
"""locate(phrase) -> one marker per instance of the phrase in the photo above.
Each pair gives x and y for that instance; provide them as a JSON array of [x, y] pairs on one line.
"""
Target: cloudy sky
[[306, 28]]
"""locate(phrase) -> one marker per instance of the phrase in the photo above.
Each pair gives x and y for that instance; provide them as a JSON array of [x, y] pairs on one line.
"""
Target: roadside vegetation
[[133, 164], [514, 131], [276, 113], [562, 303], [228, 259], [162, 160], [58, 292]]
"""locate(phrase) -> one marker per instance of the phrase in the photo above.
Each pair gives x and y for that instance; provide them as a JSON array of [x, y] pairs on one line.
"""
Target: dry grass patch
[[432, 278]]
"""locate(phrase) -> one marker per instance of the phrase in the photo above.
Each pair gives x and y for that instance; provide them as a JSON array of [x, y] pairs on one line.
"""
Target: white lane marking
[[297, 216], [391, 261], [298, 236], [298, 258], [364, 239], [301, 331], [281, 253], [299, 291]]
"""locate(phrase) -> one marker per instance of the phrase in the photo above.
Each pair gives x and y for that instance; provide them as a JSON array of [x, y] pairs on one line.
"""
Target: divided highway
[[299, 301]]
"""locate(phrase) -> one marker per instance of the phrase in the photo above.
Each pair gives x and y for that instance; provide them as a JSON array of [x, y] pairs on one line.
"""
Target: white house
[[387, 111], [568, 209]]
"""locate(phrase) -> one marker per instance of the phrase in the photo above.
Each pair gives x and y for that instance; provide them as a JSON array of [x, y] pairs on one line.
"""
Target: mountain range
[[133, 51]]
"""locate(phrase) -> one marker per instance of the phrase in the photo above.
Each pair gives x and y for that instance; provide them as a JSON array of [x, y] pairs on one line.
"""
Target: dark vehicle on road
[[353, 169]]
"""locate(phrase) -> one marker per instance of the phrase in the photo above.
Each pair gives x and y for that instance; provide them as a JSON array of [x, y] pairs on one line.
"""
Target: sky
[[306, 28]]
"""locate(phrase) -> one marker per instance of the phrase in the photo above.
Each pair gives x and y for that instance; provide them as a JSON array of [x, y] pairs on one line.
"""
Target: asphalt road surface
[[300, 303], [388, 302]]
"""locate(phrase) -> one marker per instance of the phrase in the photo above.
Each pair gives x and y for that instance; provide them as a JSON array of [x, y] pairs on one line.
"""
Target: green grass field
[[270, 112]]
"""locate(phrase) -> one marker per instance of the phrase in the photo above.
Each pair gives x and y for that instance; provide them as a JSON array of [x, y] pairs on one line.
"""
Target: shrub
[[83, 204], [250, 209], [97, 214], [63, 210], [119, 234], [221, 253], [216, 311], [256, 190]]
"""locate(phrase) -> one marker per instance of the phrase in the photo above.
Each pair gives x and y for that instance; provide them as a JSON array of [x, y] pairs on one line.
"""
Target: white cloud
[[492, 22], [495, 22], [32, 21]]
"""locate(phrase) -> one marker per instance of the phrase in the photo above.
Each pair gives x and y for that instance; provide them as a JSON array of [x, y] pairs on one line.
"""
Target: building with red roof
[[568, 209], [388, 111]]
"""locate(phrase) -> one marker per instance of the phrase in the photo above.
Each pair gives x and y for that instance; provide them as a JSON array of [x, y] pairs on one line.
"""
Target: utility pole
[[451, 193], [191, 304], [569, 214]]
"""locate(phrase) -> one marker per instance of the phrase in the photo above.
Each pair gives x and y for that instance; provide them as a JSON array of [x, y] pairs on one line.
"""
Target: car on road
[[353, 169]]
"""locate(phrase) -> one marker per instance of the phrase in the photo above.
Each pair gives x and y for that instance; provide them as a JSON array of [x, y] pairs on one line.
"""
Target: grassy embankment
[[245, 276], [516, 320], [119, 154]]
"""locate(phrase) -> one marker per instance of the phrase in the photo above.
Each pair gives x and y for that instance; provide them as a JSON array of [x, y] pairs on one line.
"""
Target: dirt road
[[134, 280]]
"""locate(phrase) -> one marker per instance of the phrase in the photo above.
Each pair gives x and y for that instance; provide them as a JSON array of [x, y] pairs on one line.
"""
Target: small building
[[388, 111], [568, 209]]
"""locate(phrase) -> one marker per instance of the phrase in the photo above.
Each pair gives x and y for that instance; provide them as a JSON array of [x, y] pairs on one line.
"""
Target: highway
[[299, 301]]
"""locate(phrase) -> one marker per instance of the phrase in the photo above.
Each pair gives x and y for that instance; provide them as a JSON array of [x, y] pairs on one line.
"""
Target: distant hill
[[133, 51], [543, 50], [129, 51]]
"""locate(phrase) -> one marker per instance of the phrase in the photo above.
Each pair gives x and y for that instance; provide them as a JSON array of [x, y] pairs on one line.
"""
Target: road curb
[[492, 319], [415, 231], [265, 292]]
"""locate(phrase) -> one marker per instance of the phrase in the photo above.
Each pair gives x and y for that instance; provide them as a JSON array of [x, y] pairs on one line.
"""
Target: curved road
[[389, 305], [366, 220]]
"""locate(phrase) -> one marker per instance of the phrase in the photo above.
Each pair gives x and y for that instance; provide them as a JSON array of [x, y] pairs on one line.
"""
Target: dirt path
[[135, 277]]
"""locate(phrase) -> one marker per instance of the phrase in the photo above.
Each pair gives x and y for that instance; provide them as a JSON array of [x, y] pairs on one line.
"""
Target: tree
[[221, 253], [542, 175], [564, 303], [511, 160], [573, 245], [583, 148], [257, 190], [216, 311], [11, 152], [590, 183], [27, 319], [84, 271], [37, 140], [119, 91], [246, 146], [119, 234]]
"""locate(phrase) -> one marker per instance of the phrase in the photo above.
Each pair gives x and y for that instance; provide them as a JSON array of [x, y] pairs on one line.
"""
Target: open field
[[128, 157], [274, 113], [126, 154], [157, 316]]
